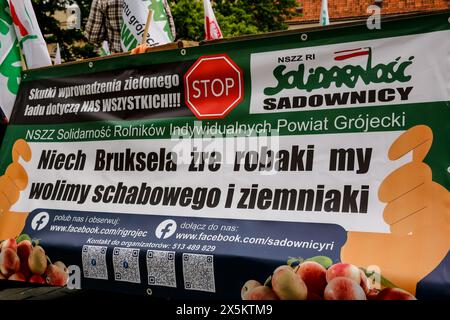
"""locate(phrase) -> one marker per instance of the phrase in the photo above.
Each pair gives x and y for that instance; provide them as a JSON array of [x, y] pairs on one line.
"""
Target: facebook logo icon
[[40, 221], [166, 229]]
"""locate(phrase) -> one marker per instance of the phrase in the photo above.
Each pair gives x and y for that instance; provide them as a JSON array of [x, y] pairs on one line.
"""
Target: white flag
[[10, 62], [135, 15], [104, 50], [57, 55], [324, 18], [30, 37], [212, 29]]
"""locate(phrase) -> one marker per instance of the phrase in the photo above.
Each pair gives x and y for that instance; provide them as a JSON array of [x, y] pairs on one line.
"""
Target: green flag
[[10, 62], [137, 11]]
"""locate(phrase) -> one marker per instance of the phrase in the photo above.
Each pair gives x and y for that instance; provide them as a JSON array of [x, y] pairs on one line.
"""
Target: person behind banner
[[105, 22]]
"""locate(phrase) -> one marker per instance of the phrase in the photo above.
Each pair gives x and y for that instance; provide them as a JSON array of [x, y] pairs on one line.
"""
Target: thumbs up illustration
[[418, 213], [413, 200], [14, 180]]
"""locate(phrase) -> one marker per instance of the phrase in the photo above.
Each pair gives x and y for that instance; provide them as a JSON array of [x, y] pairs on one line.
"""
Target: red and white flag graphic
[[348, 54], [212, 29], [29, 34]]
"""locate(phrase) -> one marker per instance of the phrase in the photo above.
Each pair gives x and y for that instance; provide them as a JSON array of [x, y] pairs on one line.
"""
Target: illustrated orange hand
[[413, 200], [12, 183], [418, 213], [142, 48]]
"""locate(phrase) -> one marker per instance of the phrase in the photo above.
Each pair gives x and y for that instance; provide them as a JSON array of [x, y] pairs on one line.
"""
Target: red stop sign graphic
[[214, 85]]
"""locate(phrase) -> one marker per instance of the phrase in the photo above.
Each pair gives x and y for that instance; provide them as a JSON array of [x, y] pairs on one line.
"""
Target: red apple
[[313, 296], [288, 285], [395, 294], [24, 269], [61, 265], [17, 277], [24, 249], [261, 293], [9, 243], [249, 285], [344, 270], [342, 288], [372, 294], [9, 262], [37, 279], [314, 276], [55, 276]]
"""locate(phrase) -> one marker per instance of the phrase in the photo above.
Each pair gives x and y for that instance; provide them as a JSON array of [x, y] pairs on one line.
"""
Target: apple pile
[[318, 278], [22, 259]]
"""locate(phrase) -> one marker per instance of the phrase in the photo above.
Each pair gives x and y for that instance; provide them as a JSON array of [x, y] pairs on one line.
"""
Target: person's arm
[[95, 27], [170, 18]]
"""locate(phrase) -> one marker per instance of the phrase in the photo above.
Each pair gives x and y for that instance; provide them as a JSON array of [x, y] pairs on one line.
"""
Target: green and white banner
[[29, 34], [357, 74], [10, 63], [134, 20]]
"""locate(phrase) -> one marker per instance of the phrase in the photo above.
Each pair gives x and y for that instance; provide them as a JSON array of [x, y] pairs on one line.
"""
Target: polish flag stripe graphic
[[348, 54]]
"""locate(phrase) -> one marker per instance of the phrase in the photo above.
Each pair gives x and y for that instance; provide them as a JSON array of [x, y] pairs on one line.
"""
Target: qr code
[[94, 262], [198, 272], [126, 265], [161, 268]]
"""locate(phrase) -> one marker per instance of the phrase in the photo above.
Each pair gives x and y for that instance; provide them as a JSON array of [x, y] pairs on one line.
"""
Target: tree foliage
[[72, 42], [235, 17], [188, 18]]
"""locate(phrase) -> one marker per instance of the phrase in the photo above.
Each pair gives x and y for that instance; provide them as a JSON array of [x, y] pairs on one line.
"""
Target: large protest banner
[[187, 172]]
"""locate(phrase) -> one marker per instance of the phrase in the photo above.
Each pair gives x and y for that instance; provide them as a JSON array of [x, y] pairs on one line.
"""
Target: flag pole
[[324, 16], [147, 26], [22, 59]]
